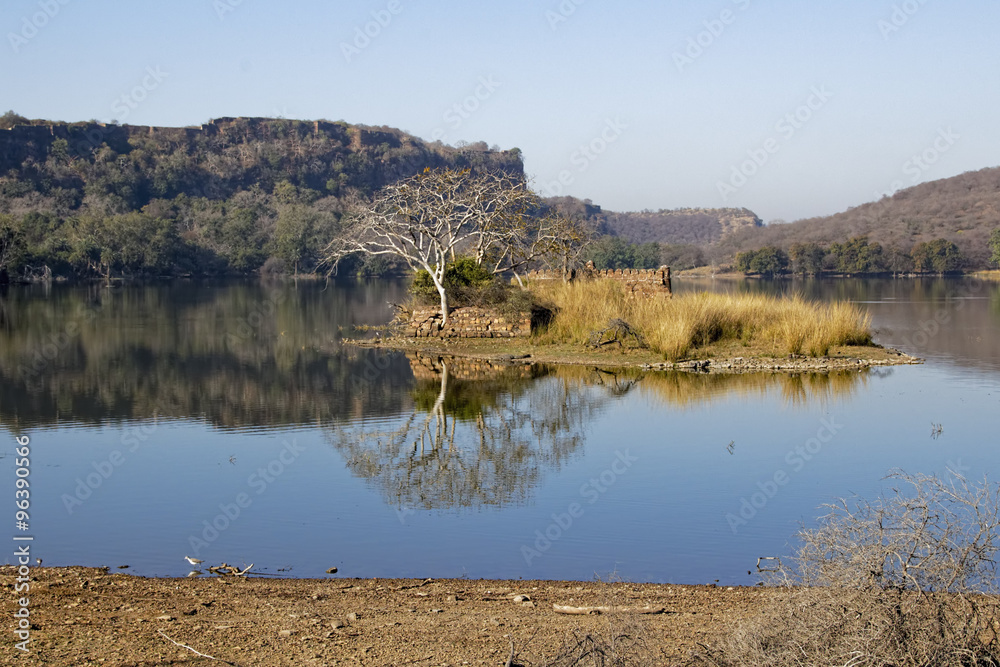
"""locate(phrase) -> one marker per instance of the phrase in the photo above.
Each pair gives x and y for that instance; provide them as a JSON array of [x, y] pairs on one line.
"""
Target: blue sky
[[790, 109]]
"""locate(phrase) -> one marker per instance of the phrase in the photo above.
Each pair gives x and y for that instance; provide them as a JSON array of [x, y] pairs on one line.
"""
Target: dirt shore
[[82, 616]]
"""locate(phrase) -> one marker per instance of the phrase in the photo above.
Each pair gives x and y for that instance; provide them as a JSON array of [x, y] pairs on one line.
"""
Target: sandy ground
[[81, 616]]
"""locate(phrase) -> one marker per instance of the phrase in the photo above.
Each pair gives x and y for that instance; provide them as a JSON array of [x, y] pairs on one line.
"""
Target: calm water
[[229, 422]]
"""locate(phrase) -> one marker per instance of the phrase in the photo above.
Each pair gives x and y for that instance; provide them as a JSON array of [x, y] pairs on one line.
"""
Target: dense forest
[[233, 196]]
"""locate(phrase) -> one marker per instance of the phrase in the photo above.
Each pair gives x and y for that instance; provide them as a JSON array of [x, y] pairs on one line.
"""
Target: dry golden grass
[[687, 323]]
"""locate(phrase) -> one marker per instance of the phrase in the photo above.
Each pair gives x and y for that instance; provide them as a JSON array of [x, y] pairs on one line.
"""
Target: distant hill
[[963, 209], [697, 226], [684, 226], [229, 196]]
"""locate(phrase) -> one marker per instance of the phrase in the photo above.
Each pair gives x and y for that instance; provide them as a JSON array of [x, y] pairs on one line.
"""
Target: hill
[[683, 226], [231, 196], [963, 209], [698, 226]]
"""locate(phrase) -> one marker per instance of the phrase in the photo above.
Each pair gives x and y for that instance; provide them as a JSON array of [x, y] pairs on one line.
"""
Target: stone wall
[[468, 323], [643, 282]]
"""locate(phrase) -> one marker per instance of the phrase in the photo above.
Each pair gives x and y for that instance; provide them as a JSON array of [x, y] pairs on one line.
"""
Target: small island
[[631, 319], [474, 242]]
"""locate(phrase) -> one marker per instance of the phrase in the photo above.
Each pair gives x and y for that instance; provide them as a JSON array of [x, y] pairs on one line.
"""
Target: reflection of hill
[[236, 356]]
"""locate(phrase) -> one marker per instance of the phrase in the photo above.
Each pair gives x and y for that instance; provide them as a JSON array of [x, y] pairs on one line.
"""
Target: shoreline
[[80, 615], [725, 359]]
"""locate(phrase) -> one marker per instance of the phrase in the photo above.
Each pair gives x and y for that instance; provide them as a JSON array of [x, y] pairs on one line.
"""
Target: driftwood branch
[[583, 611]]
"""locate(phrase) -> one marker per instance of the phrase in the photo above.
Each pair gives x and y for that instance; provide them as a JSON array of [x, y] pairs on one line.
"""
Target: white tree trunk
[[444, 301]]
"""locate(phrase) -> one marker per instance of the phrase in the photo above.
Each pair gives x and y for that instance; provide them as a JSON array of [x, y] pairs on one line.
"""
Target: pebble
[[165, 617], [522, 598], [332, 570], [286, 633], [337, 624], [352, 617]]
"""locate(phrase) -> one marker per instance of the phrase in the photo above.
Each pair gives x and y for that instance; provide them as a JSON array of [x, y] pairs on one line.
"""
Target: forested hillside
[[962, 210], [248, 195], [235, 195]]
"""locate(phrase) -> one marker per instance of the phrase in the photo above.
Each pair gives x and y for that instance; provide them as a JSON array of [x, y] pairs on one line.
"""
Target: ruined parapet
[[645, 282]]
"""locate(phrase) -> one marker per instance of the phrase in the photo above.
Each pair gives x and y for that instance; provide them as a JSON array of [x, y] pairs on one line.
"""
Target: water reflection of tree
[[482, 436], [471, 442]]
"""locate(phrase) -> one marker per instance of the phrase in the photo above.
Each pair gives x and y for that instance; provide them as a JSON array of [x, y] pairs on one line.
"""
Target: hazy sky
[[792, 109]]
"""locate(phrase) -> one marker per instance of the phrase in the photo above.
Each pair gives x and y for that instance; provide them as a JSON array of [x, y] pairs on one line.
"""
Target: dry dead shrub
[[906, 580], [614, 648]]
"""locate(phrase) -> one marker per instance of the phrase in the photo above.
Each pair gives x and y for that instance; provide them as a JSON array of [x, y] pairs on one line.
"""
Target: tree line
[[860, 255]]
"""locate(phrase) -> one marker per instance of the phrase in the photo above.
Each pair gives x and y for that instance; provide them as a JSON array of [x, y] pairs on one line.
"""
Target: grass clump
[[680, 326]]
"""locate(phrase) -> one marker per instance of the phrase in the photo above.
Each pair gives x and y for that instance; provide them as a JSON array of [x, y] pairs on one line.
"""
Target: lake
[[228, 422]]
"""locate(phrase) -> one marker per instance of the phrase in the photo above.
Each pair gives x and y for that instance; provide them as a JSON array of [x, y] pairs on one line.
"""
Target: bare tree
[[426, 219], [566, 239], [421, 220]]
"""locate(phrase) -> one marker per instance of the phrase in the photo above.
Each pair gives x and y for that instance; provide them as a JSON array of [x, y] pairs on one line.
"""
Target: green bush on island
[[470, 284]]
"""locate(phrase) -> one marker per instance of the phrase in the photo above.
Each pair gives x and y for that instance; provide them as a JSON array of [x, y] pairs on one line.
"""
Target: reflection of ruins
[[480, 434]]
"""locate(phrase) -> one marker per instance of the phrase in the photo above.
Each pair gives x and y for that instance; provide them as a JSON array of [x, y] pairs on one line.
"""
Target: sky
[[791, 109]]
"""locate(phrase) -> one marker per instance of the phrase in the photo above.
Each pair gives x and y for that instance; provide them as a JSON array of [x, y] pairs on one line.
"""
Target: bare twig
[[196, 652]]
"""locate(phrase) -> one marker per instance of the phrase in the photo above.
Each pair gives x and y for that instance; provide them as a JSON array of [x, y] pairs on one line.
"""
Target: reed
[[690, 323]]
